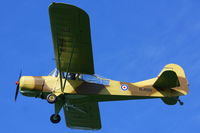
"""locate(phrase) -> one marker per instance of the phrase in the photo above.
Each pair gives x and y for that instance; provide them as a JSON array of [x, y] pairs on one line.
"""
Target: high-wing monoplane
[[73, 85]]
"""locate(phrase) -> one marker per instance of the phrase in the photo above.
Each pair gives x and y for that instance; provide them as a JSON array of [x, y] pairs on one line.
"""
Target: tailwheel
[[51, 98], [55, 118], [180, 102]]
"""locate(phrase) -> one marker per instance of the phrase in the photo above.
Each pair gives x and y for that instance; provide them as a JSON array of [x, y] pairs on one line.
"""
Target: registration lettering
[[145, 89]]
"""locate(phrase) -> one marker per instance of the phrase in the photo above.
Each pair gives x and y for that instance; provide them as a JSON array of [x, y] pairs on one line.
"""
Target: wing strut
[[68, 67], [60, 73]]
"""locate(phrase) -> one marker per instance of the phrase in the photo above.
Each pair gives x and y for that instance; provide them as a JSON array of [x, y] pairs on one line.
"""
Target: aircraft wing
[[71, 38], [82, 114]]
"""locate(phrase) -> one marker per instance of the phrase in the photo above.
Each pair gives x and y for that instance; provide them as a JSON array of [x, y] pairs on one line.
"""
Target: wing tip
[[64, 5]]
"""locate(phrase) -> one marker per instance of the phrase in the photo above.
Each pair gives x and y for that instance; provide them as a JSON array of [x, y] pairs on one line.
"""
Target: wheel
[[55, 118], [51, 98], [181, 103]]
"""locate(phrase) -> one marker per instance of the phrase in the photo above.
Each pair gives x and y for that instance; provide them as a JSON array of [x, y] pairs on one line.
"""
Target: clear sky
[[132, 41]]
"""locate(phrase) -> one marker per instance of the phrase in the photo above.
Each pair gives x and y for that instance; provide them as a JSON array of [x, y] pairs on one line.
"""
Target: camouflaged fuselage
[[37, 86]]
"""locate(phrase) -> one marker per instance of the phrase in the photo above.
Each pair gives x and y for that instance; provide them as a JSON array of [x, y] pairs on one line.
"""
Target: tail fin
[[172, 76]]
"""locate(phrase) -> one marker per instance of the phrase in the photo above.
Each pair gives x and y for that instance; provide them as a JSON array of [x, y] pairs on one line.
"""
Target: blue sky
[[132, 41]]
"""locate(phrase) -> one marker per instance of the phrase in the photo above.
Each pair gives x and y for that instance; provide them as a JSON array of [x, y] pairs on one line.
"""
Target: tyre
[[55, 118], [51, 98]]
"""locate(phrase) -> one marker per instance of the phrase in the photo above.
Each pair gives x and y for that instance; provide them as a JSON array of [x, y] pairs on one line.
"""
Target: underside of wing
[[71, 38], [82, 113]]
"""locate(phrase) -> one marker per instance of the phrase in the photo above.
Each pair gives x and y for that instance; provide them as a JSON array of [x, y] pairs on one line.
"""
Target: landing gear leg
[[55, 118]]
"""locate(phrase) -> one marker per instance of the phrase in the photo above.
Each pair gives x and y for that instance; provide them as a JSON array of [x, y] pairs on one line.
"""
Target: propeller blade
[[17, 91], [20, 74], [17, 83]]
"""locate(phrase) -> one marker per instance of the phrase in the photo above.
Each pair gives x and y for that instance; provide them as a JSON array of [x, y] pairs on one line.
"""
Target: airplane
[[73, 84]]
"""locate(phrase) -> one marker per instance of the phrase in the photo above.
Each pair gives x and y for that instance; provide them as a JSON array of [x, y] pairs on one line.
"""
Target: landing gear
[[180, 102], [51, 98], [55, 118]]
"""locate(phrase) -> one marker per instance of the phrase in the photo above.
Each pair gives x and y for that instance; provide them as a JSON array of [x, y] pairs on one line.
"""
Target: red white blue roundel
[[124, 87]]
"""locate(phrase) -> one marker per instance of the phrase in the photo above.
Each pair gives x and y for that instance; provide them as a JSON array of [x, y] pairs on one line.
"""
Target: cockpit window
[[69, 76], [54, 73], [93, 79], [85, 77]]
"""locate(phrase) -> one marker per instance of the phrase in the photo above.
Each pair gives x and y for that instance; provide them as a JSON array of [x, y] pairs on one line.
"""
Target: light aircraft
[[74, 86]]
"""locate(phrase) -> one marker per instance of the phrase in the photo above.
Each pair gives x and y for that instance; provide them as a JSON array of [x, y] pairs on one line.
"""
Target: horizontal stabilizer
[[168, 79]]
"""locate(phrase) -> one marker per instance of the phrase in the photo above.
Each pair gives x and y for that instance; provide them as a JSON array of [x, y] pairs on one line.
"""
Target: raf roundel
[[124, 87]]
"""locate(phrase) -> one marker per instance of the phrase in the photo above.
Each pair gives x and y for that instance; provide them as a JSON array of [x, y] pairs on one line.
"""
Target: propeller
[[17, 83]]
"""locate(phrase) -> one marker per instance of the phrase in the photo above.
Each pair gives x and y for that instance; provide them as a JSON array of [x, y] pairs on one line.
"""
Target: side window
[[54, 73], [93, 79]]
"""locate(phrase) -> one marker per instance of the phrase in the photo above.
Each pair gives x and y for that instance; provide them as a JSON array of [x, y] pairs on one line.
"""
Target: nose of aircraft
[[22, 81], [31, 82], [25, 82]]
